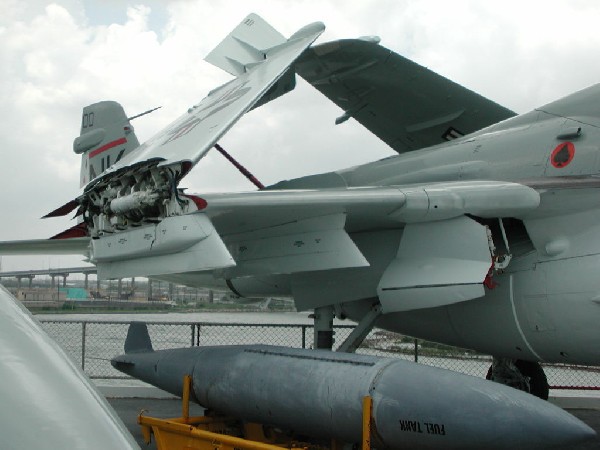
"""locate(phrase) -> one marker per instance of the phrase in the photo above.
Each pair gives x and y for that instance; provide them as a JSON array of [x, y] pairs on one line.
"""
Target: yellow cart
[[221, 433]]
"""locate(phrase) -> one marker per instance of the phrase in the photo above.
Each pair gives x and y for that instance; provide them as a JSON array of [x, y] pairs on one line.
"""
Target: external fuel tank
[[319, 393]]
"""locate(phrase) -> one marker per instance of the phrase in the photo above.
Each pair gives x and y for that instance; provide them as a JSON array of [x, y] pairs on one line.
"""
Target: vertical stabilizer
[[106, 136], [138, 339]]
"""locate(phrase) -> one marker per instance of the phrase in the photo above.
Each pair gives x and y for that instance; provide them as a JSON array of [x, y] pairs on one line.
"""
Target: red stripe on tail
[[108, 146]]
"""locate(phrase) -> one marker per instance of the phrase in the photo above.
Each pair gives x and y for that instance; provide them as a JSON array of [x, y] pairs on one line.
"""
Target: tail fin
[[138, 339], [106, 136]]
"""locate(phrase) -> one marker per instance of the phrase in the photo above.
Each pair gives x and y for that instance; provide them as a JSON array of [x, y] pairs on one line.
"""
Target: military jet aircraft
[[482, 233]]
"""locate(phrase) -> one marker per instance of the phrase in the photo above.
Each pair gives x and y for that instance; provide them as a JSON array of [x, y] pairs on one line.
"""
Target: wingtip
[[309, 31]]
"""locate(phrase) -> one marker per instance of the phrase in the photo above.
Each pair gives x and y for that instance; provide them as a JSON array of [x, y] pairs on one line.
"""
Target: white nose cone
[[45, 400]]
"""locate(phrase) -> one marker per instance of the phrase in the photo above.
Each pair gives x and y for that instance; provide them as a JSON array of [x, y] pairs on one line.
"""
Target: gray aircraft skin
[[47, 401], [482, 233], [414, 406]]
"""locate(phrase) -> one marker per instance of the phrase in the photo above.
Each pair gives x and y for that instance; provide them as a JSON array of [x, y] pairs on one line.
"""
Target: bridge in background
[[63, 273]]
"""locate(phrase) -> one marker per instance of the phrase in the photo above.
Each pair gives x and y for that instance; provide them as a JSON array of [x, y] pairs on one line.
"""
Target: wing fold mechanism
[[259, 57], [274, 232]]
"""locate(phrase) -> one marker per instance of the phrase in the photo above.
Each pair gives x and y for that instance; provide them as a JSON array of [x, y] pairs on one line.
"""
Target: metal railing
[[91, 344]]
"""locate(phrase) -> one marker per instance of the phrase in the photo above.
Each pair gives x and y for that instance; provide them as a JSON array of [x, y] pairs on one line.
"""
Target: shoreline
[[122, 309]]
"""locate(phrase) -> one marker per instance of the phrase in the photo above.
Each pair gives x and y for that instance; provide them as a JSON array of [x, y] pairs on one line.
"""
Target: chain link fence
[[92, 344]]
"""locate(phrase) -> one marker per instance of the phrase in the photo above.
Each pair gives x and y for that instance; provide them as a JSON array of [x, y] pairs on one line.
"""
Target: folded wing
[[443, 257], [193, 134], [404, 104]]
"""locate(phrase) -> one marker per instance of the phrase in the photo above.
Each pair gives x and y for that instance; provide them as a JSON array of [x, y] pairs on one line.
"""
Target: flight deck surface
[[129, 408]]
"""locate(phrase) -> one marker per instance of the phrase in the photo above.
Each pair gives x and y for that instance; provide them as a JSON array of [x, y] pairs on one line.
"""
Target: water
[[91, 340], [105, 334], [296, 318]]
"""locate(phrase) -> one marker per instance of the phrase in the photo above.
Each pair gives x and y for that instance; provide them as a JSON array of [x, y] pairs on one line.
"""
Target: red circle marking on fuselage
[[562, 155]]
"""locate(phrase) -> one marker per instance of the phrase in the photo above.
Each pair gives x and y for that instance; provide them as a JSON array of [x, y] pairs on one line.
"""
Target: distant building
[[76, 294], [41, 297]]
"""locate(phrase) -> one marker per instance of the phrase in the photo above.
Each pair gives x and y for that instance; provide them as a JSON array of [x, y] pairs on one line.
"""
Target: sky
[[57, 57]]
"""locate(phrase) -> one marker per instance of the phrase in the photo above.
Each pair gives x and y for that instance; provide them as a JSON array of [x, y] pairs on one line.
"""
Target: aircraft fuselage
[[545, 305]]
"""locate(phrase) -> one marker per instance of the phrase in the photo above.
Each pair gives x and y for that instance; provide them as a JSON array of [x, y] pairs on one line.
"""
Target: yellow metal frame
[[367, 421], [210, 433]]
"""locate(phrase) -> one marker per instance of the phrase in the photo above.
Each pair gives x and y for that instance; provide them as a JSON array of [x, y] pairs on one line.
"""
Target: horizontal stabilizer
[[138, 339], [75, 246]]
